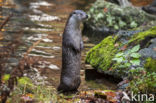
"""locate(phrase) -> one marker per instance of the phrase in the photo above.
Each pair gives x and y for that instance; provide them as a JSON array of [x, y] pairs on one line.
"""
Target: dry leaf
[[1, 36], [124, 47], [105, 9]]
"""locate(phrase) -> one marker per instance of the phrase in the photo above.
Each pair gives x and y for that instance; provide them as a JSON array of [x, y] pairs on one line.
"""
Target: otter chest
[[77, 37]]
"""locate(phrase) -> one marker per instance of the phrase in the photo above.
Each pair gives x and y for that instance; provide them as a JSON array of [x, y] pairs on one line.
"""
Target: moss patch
[[150, 65], [101, 55], [95, 85], [137, 38]]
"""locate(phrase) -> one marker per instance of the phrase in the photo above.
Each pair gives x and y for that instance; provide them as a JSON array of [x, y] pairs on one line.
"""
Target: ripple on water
[[47, 40], [42, 37], [37, 29], [44, 47], [36, 77], [40, 52], [43, 56], [37, 11], [56, 48], [35, 5], [47, 47], [44, 25], [45, 64], [43, 17]]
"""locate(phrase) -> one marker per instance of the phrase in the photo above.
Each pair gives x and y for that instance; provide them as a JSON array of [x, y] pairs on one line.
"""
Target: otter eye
[[74, 12]]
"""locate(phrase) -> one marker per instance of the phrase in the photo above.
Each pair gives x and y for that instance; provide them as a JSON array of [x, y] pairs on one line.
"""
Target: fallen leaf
[[30, 95], [1, 36], [105, 9], [110, 69], [154, 49], [124, 47], [116, 44], [112, 94], [2, 29], [144, 72]]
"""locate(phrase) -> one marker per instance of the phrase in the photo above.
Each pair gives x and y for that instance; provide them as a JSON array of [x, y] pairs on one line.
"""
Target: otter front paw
[[77, 50], [81, 45]]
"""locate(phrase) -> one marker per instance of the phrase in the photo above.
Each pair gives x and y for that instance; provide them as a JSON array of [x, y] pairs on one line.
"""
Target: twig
[[30, 49], [5, 21]]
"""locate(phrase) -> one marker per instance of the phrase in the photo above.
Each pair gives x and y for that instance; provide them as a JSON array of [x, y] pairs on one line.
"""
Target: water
[[45, 21], [124, 3]]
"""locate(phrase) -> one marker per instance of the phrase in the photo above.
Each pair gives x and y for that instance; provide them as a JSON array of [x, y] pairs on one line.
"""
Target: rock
[[151, 9], [13, 61], [150, 51], [100, 56], [122, 3], [106, 18], [123, 86], [8, 69]]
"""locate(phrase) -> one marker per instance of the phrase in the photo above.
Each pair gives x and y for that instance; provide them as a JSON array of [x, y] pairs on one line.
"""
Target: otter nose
[[86, 16]]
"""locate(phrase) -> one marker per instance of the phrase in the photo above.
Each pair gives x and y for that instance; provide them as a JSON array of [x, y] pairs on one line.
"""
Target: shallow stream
[[45, 19]]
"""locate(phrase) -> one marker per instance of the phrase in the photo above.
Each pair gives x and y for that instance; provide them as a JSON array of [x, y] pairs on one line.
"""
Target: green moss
[[150, 65], [101, 55], [137, 38], [95, 85]]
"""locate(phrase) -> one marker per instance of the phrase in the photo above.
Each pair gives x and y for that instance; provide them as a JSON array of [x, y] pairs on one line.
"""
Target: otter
[[72, 45]]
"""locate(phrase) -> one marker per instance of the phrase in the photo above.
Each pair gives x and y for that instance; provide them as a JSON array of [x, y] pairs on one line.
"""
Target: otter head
[[79, 15]]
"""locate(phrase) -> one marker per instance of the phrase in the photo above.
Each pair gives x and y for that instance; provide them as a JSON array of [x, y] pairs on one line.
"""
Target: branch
[[5, 21]]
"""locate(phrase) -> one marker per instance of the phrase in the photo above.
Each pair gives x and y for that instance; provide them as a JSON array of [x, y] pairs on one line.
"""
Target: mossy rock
[[101, 55], [107, 18]]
